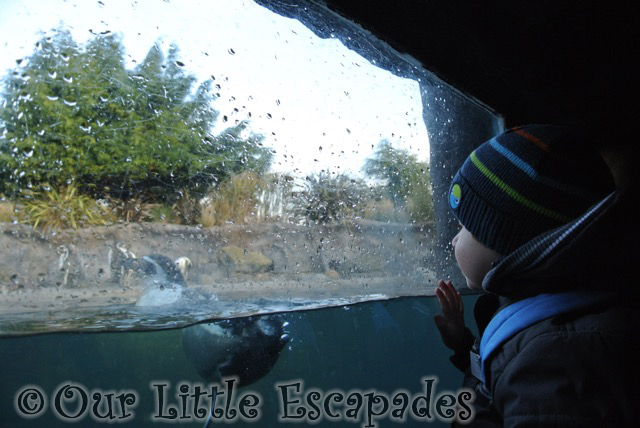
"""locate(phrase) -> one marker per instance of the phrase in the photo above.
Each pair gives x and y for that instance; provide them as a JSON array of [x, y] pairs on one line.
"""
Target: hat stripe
[[514, 194], [535, 140], [531, 172]]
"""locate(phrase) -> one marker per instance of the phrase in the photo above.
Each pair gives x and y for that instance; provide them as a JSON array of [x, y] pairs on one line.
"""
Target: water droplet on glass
[[69, 103], [53, 74], [68, 79], [231, 51], [52, 97]]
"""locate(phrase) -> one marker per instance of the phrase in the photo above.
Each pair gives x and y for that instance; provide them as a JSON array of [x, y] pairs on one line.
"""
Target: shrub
[[383, 209], [55, 209], [8, 212], [234, 201], [328, 198]]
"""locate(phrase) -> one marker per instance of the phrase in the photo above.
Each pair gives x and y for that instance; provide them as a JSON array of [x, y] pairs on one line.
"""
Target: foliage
[[407, 180], [382, 209], [64, 208], [328, 197], [162, 213], [76, 114], [132, 210], [235, 200], [187, 209]]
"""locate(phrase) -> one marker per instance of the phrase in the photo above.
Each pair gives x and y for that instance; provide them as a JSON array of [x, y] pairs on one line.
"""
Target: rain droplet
[[69, 103], [231, 51], [52, 97], [180, 63]]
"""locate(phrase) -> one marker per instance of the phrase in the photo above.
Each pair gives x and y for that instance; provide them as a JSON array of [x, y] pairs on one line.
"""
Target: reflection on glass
[[168, 162]]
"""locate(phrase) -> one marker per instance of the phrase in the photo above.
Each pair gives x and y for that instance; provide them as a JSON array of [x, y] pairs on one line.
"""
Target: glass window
[[163, 163], [216, 170]]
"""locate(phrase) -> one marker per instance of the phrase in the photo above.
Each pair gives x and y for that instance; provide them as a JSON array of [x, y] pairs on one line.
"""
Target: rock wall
[[84, 258]]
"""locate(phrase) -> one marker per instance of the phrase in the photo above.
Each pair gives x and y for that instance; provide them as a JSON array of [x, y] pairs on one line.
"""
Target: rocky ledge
[[76, 267]]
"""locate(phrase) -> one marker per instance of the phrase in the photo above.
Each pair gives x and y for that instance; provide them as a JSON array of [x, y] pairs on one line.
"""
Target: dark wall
[[530, 60]]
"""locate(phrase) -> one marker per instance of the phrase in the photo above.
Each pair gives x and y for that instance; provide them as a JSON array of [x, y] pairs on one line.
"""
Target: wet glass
[[164, 163]]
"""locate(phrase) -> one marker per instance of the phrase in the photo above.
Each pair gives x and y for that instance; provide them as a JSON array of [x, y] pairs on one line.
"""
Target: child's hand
[[451, 322]]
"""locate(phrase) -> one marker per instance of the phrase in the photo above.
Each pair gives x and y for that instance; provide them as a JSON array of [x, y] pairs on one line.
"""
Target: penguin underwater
[[245, 348]]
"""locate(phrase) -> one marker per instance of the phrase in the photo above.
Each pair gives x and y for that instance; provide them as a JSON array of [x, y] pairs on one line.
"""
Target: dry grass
[[233, 201], [383, 210], [9, 212]]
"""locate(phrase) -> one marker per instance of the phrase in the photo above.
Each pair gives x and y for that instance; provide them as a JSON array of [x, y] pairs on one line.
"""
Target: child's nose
[[454, 241]]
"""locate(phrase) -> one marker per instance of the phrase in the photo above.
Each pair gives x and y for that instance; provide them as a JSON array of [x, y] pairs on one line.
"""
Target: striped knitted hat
[[527, 181]]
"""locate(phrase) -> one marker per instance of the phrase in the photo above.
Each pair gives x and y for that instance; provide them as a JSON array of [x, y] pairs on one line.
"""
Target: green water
[[382, 346]]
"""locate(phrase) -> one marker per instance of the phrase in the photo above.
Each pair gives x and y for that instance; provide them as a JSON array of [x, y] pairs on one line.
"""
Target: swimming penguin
[[184, 265], [163, 281], [246, 348]]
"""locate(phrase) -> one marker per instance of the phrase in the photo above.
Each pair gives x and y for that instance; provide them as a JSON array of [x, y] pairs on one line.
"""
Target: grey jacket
[[574, 369]]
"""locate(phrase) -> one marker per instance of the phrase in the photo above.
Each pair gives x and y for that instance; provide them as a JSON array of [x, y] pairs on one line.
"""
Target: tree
[[327, 197], [407, 180], [75, 114]]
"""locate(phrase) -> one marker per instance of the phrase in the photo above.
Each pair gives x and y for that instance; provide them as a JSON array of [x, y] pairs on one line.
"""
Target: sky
[[319, 105]]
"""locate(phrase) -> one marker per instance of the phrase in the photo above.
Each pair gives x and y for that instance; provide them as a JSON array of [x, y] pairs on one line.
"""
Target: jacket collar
[[596, 246]]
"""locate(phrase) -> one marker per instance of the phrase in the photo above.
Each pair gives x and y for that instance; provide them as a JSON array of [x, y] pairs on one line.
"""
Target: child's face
[[474, 259]]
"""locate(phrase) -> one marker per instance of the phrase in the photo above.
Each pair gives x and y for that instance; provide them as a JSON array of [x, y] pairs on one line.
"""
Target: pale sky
[[319, 105]]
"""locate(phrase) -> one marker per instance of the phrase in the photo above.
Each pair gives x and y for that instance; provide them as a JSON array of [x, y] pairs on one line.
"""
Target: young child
[[539, 222]]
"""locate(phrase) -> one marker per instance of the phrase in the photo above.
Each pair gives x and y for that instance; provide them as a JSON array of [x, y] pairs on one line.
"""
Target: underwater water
[[377, 347]]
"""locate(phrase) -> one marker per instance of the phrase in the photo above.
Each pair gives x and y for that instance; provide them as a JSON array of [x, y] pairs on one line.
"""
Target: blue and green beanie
[[527, 181]]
